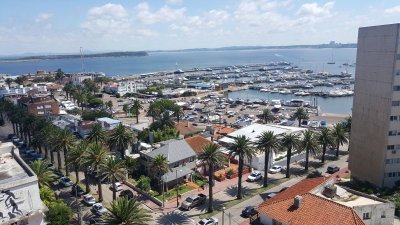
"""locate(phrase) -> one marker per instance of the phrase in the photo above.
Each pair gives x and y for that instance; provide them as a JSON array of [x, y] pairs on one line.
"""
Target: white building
[[20, 201], [253, 131], [108, 123], [77, 79], [124, 86]]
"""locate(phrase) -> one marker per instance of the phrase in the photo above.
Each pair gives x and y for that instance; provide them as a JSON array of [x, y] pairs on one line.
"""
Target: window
[[383, 214], [366, 216], [396, 88], [392, 132], [395, 103], [398, 72], [390, 147], [393, 118]]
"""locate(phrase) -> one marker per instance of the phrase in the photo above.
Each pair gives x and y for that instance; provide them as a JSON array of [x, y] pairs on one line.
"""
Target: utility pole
[[223, 214], [81, 51]]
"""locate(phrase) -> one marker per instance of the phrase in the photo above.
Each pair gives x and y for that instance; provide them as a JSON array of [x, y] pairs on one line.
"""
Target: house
[[85, 127], [123, 87], [186, 128], [220, 131], [108, 123], [78, 78], [252, 132], [20, 201], [40, 105], [315, 201]]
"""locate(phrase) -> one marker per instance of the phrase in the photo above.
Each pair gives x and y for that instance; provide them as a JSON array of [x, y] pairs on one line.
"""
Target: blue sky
[[63, 26]]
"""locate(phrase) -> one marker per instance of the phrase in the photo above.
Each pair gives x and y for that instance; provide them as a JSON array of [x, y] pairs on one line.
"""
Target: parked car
[[50, 166], [193, 201], [254, 176], [283, 189], [98, 209], [275, 169], [35, 156], [58, 173], [11, 136], [89, 199], [332, 169], [322, 123], [208, 221], [314, 124], [76, 190], [249, 211], [95, 221], [126, 193], [270, 195], [66, 182], [305, 123], [15, 140], [118, 186]]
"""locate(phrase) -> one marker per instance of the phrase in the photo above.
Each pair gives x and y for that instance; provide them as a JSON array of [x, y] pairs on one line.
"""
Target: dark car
[[249, 211], [126, 193], [10, 136], [283, 189], [332, 169], [76, 190]]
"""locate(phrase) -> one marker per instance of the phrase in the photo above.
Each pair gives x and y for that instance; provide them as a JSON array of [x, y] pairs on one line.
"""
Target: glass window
[[393, 118], [396, 88], [392, 132], [395, 103], [366, 216], [390, 147]]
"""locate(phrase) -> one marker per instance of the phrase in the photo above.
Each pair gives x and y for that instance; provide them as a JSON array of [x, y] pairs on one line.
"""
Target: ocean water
[[314, 59]]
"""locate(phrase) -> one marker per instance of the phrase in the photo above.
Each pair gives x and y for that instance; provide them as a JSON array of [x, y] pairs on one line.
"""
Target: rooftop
[[350, 199], [174, 150], [108, 120], [197, 143]]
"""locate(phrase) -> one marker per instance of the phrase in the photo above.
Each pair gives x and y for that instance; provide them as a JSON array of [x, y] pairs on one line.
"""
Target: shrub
[[58, 214], [230, 172], [92, 115], [314, 174], [144, 183]]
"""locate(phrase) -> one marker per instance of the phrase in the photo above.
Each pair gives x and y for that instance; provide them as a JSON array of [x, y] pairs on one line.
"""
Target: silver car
[[208, 221]]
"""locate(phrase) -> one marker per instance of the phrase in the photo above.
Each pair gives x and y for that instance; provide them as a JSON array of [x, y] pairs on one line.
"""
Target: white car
[[254, 176], [314, 124], [98, 209], [208, 221], [270, 195], [118, 186], [89, 199], [66, 182], [276, 169]]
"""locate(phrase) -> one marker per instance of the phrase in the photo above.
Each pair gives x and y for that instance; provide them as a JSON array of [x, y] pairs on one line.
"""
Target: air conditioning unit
[[330, 191]]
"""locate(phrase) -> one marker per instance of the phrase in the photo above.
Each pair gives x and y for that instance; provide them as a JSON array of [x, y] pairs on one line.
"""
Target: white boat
[[301, 93], [285, 92], [264, 90], [274, 90], [276, 104]]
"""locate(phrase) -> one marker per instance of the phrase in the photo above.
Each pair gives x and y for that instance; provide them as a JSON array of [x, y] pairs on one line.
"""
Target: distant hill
[[73, 56]]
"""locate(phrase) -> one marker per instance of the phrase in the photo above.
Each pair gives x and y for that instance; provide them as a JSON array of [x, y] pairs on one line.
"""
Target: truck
[[193, 201]]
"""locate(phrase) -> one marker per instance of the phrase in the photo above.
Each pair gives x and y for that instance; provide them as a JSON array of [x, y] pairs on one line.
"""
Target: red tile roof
[[197, 143], [186, 128], [313, 210]]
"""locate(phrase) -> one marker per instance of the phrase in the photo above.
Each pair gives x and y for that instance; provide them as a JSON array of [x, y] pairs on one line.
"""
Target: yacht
[[276, 104]]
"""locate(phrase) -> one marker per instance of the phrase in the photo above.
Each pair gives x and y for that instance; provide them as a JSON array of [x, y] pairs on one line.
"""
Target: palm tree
[[76, 157], [126, 212], [114, 170], [160, 167], [212, 157], [309, 144], [95, 156], [177, 112], [44, 174], [325, 139], [347, 128], [267, 115], [166, 120], [289, 142], [241, 147], [9, 82], [300, 114], [126, 109], [136, 107], [267, 143], [97, 134], [340, 136], [120, 138], [131, 164], [64, 141], [153, 111], [59, 75]]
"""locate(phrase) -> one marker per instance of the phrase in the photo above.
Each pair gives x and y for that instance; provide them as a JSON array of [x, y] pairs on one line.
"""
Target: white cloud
[[164, 14], [42, 17], [172, 2], [109, 20], [392, 10], [146, 33], [315, 10]]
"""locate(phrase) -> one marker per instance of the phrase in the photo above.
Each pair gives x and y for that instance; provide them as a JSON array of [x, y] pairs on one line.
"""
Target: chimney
[[297, 201]]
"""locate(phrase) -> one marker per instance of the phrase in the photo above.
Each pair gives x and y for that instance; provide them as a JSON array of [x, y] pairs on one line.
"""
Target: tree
[[113, 169], [97, 134], [309, 144], [127, 212], [178, 112], [289, 142], [109, 104], [127, 109], [136, 107], [211, 157], [267, 143], [325, 139], [267, 116], [90, 85], [160, 166], [347, 128], [64, 141], [95, 157], [9, 82], [59, 75], [131, 164], [120, 138], [58, 214], [241, 147], [144, 183], [47, 195], [20, 80], [44, 174], [300, 114], [340, 136], [76, 158], [68, 88]]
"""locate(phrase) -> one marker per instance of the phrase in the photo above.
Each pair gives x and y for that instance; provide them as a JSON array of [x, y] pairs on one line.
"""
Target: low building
[[78, 78], [40, 105], [320, 201], [252, 132], [123, 87], [20, 201], [186, 128], [85, 127], [108, 123]]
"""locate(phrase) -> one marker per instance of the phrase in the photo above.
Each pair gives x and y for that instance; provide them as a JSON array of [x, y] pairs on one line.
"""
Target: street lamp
[[223, 214], [177, 187]]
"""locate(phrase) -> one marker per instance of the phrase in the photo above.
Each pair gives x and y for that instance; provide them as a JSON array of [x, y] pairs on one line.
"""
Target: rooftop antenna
[[81, 51]]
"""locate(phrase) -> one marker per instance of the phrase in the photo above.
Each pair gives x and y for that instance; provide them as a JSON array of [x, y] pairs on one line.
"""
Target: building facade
[[40, 105], [124, 87], [375, 133]]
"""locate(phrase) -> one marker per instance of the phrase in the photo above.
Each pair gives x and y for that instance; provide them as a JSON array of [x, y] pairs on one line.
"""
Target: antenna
[[81, 51]]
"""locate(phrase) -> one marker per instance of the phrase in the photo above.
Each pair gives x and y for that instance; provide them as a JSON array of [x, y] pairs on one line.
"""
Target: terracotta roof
[[223, 130], [302, 187], [197, 143], [313, 210], [185, 128]]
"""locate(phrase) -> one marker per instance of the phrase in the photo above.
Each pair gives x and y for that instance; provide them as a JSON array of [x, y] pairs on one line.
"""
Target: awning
[[176, 173]]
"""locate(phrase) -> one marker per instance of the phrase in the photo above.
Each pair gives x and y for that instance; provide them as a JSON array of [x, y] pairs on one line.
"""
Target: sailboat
[[331, 62]]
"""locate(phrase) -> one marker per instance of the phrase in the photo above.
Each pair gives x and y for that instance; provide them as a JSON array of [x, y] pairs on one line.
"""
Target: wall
[[265, 220], [376, 212], [151, 198]]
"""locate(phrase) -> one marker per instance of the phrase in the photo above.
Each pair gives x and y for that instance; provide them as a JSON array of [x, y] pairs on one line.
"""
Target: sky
[[63, 26]]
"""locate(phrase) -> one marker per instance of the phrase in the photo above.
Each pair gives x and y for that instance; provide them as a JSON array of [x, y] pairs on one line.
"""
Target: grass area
[[172, 193], [200, 182], [251, 194], [132, 181]]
